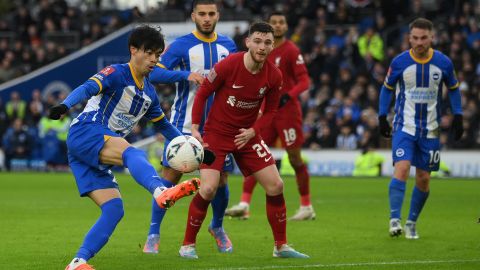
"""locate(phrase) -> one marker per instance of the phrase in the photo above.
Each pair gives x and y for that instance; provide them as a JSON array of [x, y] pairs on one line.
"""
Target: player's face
[[420, 40], [145, 60], [205, 18], [259, 46], [279, 24]]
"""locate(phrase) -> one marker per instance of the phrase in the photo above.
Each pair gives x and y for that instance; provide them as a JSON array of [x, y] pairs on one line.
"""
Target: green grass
[[43, 222]]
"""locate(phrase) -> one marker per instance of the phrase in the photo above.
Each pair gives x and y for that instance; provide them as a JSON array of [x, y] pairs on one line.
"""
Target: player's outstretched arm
[[161, 74], [81, 93], [384, 104]]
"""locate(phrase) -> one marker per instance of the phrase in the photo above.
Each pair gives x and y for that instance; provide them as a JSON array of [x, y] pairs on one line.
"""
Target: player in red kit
[[287, 123], [241, 82]]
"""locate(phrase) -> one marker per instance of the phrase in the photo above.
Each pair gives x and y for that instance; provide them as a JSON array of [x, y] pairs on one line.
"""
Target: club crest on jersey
[[261, 92], [300, 60], [277, 61], [436, 76], [107, 71], [231, 101], [400, 152]]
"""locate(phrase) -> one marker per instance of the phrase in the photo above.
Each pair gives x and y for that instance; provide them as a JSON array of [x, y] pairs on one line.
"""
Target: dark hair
[[276, 13], [147, 38], [203, 2], [261, 27], [421, 23]]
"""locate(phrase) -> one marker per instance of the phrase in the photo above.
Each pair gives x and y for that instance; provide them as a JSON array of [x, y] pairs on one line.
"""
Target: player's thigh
[[288, 126], [112, 151], [254, 156], [89, 178], [101, 196], [210, 180], [270, 180], [427, 155], [85, 141]]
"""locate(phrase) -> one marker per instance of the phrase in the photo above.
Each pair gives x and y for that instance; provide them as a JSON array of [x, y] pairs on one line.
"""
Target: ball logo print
[[184, 153]]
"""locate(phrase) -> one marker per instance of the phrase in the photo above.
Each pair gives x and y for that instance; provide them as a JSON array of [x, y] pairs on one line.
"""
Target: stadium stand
[[347, 46]]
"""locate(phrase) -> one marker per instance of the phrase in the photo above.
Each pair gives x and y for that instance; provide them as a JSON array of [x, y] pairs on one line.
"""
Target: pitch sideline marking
[[347, 264]]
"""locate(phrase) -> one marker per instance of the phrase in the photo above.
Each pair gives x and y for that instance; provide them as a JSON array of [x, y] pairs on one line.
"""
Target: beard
[[253, 55], [205, 32]]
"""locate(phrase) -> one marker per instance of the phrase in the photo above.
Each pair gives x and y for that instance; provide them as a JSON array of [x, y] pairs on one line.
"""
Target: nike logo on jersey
[[237, 86], [268, 159]]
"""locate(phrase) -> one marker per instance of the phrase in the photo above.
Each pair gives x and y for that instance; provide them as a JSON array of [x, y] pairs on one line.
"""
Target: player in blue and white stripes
[[187, 61], [417, 76], [118, 96]]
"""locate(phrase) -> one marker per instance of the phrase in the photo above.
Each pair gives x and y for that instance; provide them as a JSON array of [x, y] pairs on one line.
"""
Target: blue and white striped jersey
[[190, 53], [117, 99], [418, 91]]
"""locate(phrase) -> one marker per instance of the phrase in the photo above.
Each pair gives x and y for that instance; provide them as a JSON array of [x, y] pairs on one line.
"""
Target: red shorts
[[287, 124], [253, 157]]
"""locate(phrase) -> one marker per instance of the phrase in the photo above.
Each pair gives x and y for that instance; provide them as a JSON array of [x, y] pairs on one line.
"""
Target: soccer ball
[[184, 153]]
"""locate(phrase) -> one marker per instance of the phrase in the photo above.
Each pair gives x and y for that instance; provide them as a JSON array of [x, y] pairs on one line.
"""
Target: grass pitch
[[43, 222]]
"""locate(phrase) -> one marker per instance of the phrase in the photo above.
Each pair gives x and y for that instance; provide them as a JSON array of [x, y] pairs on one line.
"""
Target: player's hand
[[385, 129], [284, 99], [245, 135], [195, 78], [208, 157], [57, 111], [457, 126], [196, 134]]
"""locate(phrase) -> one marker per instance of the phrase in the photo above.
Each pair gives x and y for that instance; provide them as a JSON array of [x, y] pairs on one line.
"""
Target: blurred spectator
[[371, 44], [368, 163], [346, 140], [17, 142], [15, 107]]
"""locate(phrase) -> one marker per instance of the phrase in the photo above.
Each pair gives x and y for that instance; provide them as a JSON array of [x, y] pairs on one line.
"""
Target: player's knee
[[208, 192], [114, 210], [274, 188]]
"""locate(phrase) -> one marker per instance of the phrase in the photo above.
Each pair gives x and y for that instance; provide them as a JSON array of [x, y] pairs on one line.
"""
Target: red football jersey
[[238, 96], [289, 60]]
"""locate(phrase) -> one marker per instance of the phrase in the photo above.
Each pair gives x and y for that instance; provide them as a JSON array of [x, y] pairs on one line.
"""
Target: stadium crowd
[[347, 46]]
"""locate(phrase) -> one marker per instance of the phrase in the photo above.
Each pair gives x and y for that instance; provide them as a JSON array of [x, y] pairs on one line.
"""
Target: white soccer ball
[[184, 153]]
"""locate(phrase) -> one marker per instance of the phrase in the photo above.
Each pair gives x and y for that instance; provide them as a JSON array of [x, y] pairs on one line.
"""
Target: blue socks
[[418, 201], [219, 204], [396, 193], [97, 237], [157, 212], [141, 170]]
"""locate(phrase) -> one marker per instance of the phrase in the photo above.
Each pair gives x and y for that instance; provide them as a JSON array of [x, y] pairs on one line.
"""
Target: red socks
[[196, 214], [277, 217], [249, 184], [303, 183]]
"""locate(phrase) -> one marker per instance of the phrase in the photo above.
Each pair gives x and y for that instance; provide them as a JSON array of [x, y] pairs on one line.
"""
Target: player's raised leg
[[270, 180], [117, 151], [305, 212], [419, 197], [198, 210], [396, 194], [110, 203]]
